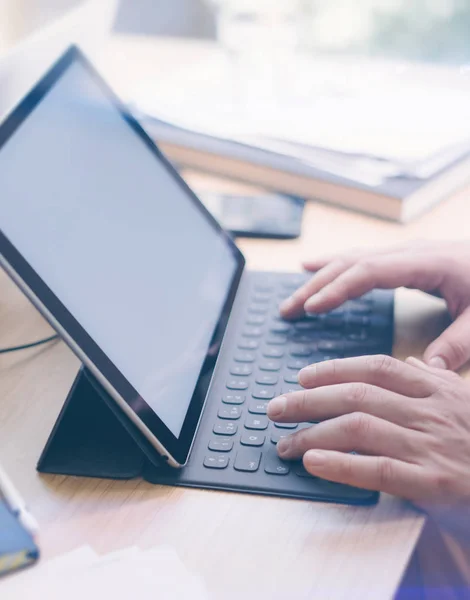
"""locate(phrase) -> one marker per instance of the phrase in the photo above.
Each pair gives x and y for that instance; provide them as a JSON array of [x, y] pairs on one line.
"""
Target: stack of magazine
[[392, 151]]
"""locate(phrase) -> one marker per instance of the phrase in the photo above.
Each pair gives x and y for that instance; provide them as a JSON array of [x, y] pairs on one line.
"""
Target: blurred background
[[435, 31]]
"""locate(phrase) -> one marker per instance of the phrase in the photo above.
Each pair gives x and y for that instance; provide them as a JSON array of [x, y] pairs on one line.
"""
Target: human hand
[[408, 422], [441, 269]]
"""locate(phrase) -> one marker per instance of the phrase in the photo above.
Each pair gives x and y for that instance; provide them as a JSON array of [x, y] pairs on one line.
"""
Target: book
[[361, 184]]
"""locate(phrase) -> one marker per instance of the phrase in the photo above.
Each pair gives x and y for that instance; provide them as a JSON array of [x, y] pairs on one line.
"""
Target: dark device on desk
[[274, 216], [182, 346]]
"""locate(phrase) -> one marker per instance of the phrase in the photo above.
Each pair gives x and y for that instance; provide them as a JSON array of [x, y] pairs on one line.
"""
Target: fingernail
[[307, 373], [309, 307], [437, 362], [412, 360], [312, 302], [277, 407], [283, 446], [314, 458]]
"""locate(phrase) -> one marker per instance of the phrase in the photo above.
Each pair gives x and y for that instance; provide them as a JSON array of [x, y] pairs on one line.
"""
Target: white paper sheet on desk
[[121, 575], [404, 121]]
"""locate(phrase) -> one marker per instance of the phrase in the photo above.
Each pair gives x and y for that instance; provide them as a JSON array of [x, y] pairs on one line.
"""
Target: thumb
[[452, 348]]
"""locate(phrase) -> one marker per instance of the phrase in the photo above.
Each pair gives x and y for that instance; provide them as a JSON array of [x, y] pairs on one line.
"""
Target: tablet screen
[[116, 237]]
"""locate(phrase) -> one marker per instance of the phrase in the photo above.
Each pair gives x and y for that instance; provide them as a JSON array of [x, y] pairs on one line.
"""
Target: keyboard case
[[92, 437]]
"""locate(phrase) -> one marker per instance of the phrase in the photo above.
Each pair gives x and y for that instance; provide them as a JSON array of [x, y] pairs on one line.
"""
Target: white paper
[[128, 573], [404, 120]]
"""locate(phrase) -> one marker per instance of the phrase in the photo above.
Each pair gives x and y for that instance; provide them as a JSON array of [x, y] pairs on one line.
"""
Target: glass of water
[[260, 38]]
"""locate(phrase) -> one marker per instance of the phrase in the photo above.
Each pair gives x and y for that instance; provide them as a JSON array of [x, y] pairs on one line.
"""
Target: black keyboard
[[266, 362], [261, 356]]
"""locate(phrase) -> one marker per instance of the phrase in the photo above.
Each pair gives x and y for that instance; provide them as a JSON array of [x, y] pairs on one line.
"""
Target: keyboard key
[[233, 399], [330, 345], [221, 445], [258, 309], [358, 307], [252, 439], [263, 393], [216, 461], [261, 297], [273, 352], [353, 320], [296, 281], [270, 365], [359, 336], [244, 357], [247, 460], [256, 320], [237, 384], [248, 344], [275, 466], [286, 425], [229, 412], [257, 407], [300, 471], [300, 350], [227, 428], [297, 363], [278, 435], [267, 379], [250, 331], [245, 370], [291, 377], [289, 389], [263, 287], [310, 325], [326, 357], [276, 340], [336, 312], [280, 328], [305, 338], [258, 423], [332, 320]]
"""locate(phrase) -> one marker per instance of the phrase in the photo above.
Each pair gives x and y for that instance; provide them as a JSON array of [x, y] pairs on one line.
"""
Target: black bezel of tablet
[[43, 297]]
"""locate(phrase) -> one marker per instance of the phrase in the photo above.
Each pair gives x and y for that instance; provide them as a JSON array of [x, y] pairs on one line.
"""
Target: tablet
[[115, 250]]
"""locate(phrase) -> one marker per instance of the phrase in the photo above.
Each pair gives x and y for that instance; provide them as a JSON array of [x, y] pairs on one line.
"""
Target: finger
[[329, 268], [379, 370], [377, 473], [439, 374], [451, 349], [356, 432], [390, 271], [345, 398], [294, 306], [315, 264]]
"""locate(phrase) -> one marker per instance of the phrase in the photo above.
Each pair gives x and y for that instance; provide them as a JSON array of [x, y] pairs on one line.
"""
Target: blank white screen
[[121, 245]]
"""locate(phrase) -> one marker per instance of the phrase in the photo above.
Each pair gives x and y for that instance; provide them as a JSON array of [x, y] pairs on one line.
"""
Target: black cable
[[31, 345]]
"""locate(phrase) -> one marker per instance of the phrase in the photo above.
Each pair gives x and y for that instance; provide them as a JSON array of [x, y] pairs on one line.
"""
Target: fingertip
[[412, 360], [287, 305], [314, 460], [311, 267], [438, 362], [276, 407], [307, 374], [434, 359], [311, 306]]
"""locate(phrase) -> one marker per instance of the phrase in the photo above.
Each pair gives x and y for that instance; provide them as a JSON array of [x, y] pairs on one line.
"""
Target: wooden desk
[[244, 546]]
